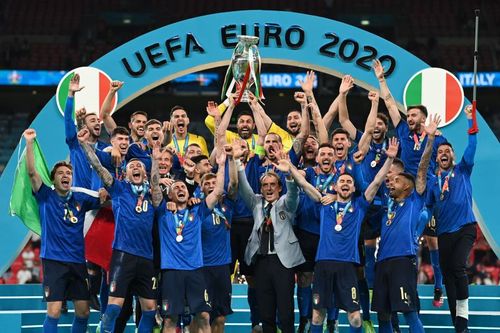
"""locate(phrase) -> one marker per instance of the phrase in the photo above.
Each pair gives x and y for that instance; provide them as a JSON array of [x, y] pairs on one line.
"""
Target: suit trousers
[[275, 288]]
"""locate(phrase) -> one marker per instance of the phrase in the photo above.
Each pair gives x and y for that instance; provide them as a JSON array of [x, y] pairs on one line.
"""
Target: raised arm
[[366, 138], [299, 140], [259, 123], [333, 110], [209, 120], [232, 190], [470, 150], [318, 123], [244, 189], [35, 179], [385, 93], [307, 86], [423, 166], [218, 191], [156, 193], [346, 85], [391, 153], [107, 107], [104, 174], [286, 166], [292, 194], [69, 125]]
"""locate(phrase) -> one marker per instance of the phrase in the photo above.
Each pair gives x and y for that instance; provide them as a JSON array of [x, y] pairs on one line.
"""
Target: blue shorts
[[335, 281], [134, 272], [65, 280], [218, 280], [184, 288]]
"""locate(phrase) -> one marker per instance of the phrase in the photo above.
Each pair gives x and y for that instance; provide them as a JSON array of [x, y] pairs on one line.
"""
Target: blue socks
[[353, 329], [333, 313], [254, 310], [79, 325], [304, 301], [50, 324], [370, 265], [147, 321], [364, 298], [414, 322], [109, 318], [438, 276], [384, 326], [316, 328]]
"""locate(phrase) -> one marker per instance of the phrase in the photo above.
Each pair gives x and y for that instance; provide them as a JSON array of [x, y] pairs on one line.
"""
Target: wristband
[[259, 150]]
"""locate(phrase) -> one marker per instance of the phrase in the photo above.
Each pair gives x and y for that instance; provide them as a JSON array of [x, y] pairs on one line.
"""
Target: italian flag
[[97, 85], [437, 89]]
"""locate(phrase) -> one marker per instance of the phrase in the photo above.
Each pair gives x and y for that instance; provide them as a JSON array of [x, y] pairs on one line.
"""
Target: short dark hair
[[346, 174], [244, 113], [445, 144], [293, 111], [57, 166], [207, 176], [422, 109], [325, 145], [408, 176], [120, 130], [194, 145], [383, 117], [153, 121], [199, 158], [277, 135], [340, 130], [142, 113], [175, 108], [399, 162]]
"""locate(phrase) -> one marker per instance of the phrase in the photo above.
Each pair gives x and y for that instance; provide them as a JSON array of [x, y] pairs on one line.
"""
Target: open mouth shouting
[[340, 150], [181, 126], [136, 176], [326, 165], [345, 190], [65, 182], [140, 130]]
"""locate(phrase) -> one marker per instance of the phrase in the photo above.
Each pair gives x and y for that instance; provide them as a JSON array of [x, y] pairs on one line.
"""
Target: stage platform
[[22, 311]]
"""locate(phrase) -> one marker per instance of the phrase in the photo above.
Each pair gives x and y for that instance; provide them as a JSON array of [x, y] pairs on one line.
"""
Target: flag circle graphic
[[96, 85], [438, 90]]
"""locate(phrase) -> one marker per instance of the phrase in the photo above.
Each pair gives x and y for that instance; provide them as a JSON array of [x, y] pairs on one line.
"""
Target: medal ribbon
[[121, 171], [339, 215], [445, 187], [179, 224], [323, 187], [68, 213], [391, 210], [418, 140], [176, 144], [220, 213], [378, 155], [142, 189]]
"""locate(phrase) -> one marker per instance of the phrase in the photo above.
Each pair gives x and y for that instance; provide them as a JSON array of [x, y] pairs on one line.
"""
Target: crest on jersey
[[282, 215]]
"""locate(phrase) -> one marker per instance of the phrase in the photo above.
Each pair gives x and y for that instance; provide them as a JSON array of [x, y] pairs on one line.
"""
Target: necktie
[[267, 232]]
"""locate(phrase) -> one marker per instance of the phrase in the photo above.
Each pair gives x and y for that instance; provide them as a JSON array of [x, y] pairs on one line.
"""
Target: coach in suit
[[273, 247]]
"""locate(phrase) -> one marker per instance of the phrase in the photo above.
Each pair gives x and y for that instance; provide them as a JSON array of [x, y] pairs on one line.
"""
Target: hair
[[399, 163], [346, 174], [408, 176], [245, 113], [57, 166], [325, 145], [422, 109], [136, 113], [166, 150], [88, 115], [136, 160], [152, 122], [271, 174], [199, 158], [194, 145], [293, 111], [120, 130], [310, 136], [207, 176], [277, 135], [340, 130], [175, 108], [383, 117], [445, 144]]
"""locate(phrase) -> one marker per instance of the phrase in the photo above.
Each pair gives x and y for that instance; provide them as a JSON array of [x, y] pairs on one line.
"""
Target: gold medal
[[138, 209], [373, 164], [73, 219], [388, 223]]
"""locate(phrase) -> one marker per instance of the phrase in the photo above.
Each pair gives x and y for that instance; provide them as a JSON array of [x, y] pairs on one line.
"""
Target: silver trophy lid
[[248, 39]]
